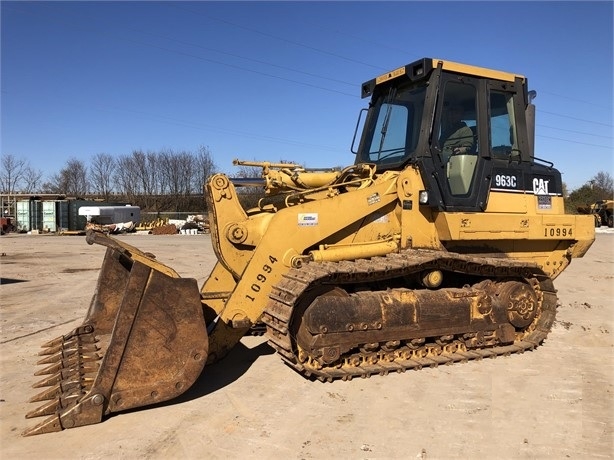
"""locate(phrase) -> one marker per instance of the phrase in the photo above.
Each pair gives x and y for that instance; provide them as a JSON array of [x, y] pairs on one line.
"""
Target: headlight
[[423, 197]]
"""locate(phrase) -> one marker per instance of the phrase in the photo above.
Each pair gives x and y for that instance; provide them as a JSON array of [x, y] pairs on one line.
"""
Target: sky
[[272, 81]]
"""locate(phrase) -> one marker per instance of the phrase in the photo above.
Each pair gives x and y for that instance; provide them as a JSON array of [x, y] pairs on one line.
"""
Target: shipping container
[[48, 216], [62, 215], [24, 221]]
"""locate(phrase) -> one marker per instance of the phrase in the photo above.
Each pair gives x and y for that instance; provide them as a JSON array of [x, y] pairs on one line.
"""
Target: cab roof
[[421, 68]]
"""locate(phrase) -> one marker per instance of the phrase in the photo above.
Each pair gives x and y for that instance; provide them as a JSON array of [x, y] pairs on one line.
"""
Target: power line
[[189, 124], [197, 45], [213, 61], [575, 99], [176, 6], [577, 119], [270, 75], [575, 142], [233, 66], [309, 74], [223, 21], [354, 37], [572, 131], [293, 42]]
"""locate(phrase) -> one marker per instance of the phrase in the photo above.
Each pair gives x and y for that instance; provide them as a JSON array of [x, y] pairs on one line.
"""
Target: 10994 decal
[[558, 232]]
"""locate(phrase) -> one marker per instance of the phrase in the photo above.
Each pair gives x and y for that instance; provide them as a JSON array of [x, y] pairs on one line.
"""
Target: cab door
[[458, 147]]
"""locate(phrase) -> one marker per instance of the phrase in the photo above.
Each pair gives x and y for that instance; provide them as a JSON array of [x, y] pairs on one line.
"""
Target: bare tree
[[102, 170], [126, 178], [204, 167], [11, 173], [49, 186], [187, 163], [31, 179], [77, 177], [146, 172], [72, 180], [177, 171]]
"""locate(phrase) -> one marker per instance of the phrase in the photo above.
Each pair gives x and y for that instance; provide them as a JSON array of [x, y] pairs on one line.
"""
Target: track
[[364, 362]]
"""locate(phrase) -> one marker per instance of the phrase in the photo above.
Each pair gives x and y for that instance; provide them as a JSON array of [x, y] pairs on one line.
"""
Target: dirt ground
[[555, 402]]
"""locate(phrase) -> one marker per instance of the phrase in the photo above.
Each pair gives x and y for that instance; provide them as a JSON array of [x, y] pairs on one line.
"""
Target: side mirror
[[359, 125]]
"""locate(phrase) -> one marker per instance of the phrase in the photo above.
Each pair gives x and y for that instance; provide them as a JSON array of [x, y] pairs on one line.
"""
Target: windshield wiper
[[384, 131], [389, 153]]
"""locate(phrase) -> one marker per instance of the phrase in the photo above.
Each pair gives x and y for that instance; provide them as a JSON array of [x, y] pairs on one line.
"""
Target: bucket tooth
[[68, 354], [69, 347], [67, 364], [76, 359], [52, 393], [52, 369], [49, 425], [46, 409], [60, 353], [54, 342], [52, 350], [67, 374], [65, 386], [84, 331], [64, 345], [55, 350], [49, 381], [57, 358], [57, 406]]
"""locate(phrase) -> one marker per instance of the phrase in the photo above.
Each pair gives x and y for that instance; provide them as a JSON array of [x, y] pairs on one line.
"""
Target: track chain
[[286, 294]]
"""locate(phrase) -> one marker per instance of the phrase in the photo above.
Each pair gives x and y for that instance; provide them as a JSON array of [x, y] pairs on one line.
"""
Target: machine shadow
[[216, 376], [226, 371]]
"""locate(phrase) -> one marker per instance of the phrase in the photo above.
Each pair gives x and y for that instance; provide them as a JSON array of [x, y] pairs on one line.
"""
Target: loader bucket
[[143, 341]]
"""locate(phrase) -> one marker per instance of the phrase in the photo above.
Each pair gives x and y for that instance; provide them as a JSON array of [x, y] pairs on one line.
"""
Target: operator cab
[[464, 127]]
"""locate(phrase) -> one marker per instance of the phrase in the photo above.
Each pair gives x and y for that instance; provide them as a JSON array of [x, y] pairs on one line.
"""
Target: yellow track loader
[[438, 245]]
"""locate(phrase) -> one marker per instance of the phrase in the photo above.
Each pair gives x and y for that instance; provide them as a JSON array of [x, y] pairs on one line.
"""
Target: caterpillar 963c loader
[[438, 245]]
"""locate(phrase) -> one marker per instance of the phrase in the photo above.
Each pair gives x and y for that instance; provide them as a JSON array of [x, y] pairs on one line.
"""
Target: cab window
[[390, 133], [503, 137], [394, 127], [457, 137]]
